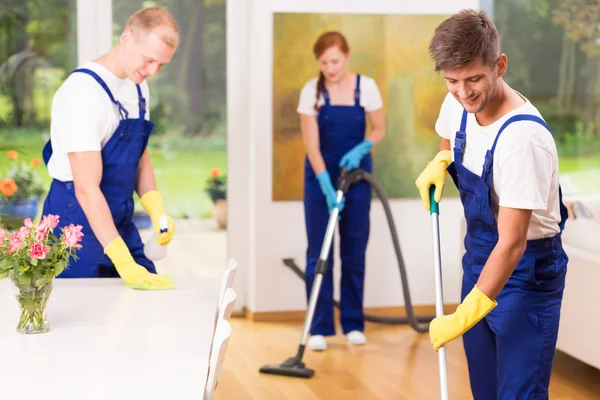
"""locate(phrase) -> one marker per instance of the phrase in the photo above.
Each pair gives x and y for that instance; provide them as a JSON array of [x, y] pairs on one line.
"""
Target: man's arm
[[145, 181], [87, 174], [512, 230], [520, 191]]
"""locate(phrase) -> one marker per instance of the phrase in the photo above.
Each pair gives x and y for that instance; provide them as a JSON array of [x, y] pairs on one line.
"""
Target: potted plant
[[32, 257], [20, 191], [216, 188]]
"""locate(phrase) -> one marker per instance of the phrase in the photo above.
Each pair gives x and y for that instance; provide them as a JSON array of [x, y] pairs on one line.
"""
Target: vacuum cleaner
[[345, 181], [293, 366]]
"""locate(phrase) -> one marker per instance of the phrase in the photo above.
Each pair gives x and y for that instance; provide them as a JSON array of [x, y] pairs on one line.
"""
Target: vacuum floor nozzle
[[291, 367]]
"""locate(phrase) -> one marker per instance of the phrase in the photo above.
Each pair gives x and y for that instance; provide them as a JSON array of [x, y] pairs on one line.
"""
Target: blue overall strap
[[91, 73], [141, 102], [489, 157], [520, 117], [459, 139], [357, 91], [463, 121]]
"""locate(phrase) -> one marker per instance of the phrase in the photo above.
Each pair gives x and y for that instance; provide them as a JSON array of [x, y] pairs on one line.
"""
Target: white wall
[[263, 232]]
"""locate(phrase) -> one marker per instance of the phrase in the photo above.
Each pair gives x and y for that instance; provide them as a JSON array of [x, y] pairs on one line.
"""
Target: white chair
[[224, 311], [217, 356], [227, 279], [226, 306], [226, 283]]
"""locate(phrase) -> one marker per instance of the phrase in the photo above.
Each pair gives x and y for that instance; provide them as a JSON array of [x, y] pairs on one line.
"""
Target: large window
[[187, 104], [38, 48], [553, 48]]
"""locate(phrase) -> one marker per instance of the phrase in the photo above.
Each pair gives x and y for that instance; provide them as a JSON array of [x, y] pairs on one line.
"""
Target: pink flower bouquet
[[32, 256]]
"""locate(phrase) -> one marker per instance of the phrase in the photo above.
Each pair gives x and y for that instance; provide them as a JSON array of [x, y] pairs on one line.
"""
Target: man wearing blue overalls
[[97, 153], [505, 165]]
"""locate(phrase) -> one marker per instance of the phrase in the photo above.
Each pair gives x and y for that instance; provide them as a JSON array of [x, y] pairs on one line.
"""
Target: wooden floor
[[397, 363]]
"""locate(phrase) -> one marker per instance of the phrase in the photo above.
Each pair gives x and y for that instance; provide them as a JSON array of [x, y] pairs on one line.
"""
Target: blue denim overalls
[[510, 351], [120, 160], [341, 128]]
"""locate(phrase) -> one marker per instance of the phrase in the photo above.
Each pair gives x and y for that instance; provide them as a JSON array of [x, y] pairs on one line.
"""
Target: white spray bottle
[[153, 250]]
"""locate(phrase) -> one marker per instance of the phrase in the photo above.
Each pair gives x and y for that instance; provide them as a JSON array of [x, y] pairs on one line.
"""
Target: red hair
[[323, 43]]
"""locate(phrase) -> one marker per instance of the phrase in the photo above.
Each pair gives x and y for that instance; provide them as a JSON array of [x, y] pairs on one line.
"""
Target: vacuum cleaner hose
[[411, 317], [416, 322]]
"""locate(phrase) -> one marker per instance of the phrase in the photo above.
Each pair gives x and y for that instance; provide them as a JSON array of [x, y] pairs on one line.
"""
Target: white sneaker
[[356, 338], [317, 343]]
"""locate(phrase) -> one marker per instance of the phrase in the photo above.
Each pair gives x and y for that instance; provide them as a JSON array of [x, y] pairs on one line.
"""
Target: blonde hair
[[155, 19]]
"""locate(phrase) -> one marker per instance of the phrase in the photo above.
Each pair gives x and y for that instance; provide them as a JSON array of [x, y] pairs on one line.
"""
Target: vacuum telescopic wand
[[294, 366], [434, 211]]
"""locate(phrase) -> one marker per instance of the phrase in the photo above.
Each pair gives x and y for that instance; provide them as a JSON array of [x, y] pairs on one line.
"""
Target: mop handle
[[434, 211]]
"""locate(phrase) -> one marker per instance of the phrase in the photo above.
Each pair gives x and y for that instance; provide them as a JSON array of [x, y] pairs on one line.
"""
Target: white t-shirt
[[83, 118], [370, 97], [525, 169]]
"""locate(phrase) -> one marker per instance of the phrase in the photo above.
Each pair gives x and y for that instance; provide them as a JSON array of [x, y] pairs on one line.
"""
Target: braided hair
[[320, 87]]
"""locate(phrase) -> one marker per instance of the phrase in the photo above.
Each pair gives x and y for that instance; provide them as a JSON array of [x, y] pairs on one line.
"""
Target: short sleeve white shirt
[[83, 118], [370, 97], [525, 168]]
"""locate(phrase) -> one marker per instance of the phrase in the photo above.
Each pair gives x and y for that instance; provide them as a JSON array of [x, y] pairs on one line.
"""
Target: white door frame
[[94, 29], [239, 183]]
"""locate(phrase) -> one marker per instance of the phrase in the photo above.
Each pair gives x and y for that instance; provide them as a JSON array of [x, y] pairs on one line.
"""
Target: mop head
[[291, 367]]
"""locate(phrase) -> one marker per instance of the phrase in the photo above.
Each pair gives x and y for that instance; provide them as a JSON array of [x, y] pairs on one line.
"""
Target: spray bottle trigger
[[163, 223]]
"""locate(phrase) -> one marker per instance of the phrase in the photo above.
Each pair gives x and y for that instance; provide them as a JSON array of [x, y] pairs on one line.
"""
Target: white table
[[109, 342]]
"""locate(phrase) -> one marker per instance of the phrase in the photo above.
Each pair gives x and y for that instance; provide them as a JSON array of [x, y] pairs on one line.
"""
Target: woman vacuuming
[[333, 110]]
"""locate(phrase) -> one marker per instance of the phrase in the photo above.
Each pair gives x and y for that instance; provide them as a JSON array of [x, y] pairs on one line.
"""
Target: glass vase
[[32, 301]]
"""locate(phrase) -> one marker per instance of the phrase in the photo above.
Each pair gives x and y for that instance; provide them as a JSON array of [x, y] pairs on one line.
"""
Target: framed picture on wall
[[388, 43]]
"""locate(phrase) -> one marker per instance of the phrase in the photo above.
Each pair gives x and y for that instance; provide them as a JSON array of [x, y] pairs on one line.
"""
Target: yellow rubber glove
[[448, 327], [434, 174], [134, 275], [153, 204]]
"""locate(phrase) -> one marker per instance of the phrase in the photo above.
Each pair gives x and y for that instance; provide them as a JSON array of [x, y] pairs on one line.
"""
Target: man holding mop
[[97, 153], [502, 157]]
